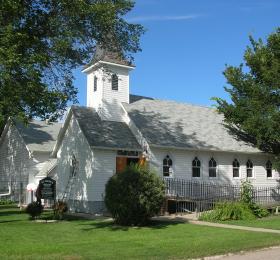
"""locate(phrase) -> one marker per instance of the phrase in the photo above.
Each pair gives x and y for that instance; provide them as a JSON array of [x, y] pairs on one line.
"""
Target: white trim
[[107, 63]]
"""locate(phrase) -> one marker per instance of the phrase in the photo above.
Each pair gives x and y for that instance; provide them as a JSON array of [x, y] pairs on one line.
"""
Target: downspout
[[7, 194]]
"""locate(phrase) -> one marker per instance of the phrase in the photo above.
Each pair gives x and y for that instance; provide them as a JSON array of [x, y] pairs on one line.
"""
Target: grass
[[271, 222], [101, 239]]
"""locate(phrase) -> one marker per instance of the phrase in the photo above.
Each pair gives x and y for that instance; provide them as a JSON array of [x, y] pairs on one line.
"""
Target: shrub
[[134, 196], [60, 207], [229, 211], [247, 197], [258, 211], [246, 192], [6, 202], [34, 209]]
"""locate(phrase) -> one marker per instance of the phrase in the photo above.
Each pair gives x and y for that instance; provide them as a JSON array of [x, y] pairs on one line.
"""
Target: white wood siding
[[94, 168], [104, 167], [105, 100], [182, 166], [14, 160], [74, 143]]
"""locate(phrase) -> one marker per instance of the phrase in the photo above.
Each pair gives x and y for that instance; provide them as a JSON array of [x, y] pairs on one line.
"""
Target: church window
[[249, 169], [95, 84], [167, 166], [115, 82], [269, 169], [196, 167], [235, 168], [212, 168]]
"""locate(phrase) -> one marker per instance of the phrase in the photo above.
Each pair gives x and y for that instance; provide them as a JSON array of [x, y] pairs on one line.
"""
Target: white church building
[[176, 140]]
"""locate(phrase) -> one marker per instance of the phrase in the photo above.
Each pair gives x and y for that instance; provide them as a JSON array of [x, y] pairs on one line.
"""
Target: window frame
[[95, 83], [169, 164], [115, 82], [250, 168], [268, 168], [212, 167], [234, 168], [197, 166]]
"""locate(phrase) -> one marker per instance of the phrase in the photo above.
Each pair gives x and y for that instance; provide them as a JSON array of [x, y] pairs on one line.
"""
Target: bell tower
[[108, 83]]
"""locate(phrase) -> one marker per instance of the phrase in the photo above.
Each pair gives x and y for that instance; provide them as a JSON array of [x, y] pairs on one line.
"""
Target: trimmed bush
[[134, 196], [229, 211], [34, 209], [60, 208]]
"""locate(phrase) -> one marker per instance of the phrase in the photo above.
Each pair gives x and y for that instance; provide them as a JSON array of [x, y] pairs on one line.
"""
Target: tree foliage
[[254, 113], [134, 195], [42, 41]]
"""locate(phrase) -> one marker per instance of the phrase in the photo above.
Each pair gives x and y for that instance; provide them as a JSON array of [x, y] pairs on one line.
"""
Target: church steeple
[[108, 83]]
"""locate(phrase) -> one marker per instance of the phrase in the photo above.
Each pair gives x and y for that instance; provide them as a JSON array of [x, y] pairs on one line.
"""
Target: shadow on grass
[[8, 221], [10, 212], [110, 225]]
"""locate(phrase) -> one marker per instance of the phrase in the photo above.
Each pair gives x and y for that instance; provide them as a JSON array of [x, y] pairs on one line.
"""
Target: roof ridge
[[151, 99]]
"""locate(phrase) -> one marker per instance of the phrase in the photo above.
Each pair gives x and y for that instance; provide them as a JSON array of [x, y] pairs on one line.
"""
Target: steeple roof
[[107, 55]]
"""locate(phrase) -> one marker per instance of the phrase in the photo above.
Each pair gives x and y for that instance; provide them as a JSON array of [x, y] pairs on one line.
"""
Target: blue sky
[[188, 43]]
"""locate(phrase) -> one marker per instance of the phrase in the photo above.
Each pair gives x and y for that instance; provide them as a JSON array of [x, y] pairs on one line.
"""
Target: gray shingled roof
[[105, 134], [172, 124], [38, 135]]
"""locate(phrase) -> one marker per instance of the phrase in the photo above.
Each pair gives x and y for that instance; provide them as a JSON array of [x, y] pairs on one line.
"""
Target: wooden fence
[[190, 196]]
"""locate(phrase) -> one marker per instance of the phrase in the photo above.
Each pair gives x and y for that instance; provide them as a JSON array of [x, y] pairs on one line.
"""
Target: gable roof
[[175, 125], [38, 135], [104, 134]]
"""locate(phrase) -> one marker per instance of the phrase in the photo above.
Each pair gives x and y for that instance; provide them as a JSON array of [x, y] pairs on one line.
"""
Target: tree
[[42, 41], [134, 195], [254, 113]]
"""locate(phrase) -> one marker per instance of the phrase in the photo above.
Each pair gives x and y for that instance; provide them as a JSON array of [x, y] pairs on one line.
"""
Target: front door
[[122, 162]]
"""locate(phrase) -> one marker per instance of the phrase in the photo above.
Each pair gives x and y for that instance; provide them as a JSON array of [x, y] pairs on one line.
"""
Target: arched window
[[268, 167], [167, 164], [196, 167], [249, 169], [212, 168], [235, 168], [115, 82], [95, 84]]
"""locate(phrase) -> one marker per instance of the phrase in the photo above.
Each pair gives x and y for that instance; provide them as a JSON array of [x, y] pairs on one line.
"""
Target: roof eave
[[204, 149], [116, 148], [86, 70]]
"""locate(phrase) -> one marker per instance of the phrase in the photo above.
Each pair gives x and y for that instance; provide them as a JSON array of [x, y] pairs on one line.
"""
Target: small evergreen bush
[[229, 211], [60, 208], [134, 196], [34, 209]]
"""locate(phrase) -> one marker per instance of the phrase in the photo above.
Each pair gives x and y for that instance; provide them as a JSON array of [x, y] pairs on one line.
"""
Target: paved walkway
[[210, 224], [272, 253], [191, 218]]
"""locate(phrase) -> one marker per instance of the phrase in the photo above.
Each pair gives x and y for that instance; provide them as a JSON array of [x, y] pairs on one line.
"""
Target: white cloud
[[162, 18]]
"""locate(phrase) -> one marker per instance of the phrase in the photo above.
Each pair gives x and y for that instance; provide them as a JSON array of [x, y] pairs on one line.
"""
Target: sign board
[[47, 188]]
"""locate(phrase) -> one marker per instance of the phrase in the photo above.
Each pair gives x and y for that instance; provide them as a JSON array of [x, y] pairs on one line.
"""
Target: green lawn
[[100, 239], [272, 222]]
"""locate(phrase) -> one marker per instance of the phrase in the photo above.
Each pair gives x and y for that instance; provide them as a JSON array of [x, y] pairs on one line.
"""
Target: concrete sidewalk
[[272, 253], [191, 218], [254, 229]]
